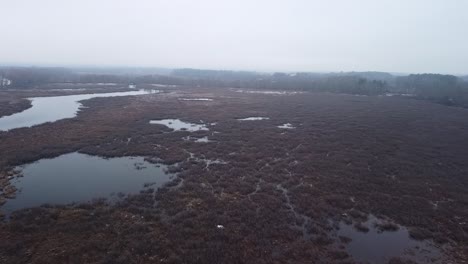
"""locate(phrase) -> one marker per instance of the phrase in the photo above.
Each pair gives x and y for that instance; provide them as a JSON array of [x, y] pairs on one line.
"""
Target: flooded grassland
[[301, 186]]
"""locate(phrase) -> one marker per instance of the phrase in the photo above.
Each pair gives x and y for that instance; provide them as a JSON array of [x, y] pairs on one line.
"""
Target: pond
[[375, 246], [77, 177], [179, 125], [51, 109]]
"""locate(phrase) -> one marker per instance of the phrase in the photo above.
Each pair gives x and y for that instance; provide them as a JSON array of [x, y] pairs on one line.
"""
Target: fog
[[273, 35]]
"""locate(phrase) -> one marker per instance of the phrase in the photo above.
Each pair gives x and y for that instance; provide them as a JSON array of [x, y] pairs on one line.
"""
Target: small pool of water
[[376, 246], [268, 92], [254, 118], [164, 85], [53, 108], [77, 177], [179, 125], [195, 99], [286, 126], [199, 140]]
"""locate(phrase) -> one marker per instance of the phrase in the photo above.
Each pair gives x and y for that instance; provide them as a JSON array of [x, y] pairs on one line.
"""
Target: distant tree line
[[22, 77], [445, 89], [34, 77]]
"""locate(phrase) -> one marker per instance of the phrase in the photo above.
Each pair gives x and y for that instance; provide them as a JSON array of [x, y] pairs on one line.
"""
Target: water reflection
[[375, 246], [254, 118], [268, 92], [78, 177], [51, 109], [286, 126], [195, 139], [178, 125], [195, 99]]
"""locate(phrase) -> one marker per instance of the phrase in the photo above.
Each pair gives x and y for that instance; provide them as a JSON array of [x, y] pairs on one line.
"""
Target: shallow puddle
[[164, 85], [286, 126], [77, 177], [376, 246], [268, 92], [179, 125], [195, 99], [51, 109], [199, 140], [254, 118]]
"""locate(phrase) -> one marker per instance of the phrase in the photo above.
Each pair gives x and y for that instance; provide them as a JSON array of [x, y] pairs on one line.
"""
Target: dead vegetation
[[10, 106], [278, 194]]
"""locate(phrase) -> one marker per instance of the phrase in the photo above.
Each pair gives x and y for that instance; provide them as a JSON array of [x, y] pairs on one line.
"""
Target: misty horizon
[[265, 36], [157, 67]]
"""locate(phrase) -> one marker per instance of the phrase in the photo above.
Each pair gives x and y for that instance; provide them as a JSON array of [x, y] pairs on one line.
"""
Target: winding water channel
[[53, 108]]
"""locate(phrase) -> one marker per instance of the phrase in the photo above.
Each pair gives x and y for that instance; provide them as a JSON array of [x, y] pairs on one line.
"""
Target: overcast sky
[[265, 35]]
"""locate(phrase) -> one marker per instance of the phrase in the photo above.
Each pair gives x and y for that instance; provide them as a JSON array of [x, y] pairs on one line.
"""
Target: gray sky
[[264, 35]]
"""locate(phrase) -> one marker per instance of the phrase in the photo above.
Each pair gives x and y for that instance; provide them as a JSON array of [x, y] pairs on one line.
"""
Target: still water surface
[[179, 125], [53, 108], [375, 246], [77, 177]]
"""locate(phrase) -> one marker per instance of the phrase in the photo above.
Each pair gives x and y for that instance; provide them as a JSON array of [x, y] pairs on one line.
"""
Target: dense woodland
[[445, 89]]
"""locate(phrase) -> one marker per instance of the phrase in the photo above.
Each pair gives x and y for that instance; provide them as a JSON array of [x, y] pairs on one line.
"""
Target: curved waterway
[[53, 108], [77, 177]]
